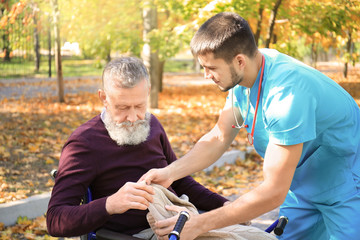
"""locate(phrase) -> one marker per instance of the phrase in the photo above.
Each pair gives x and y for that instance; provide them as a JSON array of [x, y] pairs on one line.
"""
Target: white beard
[[127, 133]]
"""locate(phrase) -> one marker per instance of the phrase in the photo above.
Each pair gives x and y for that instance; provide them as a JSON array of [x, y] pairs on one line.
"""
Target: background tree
[[58, 63], [259, 22], [274, 12], [348, 16], [5, 33], [311, 21], [106, 29], [35, 16], [149, 53], [115, 28], [19, 24]]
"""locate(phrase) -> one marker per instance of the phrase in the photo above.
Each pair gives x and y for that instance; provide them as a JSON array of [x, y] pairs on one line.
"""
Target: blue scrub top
[[299, 104]]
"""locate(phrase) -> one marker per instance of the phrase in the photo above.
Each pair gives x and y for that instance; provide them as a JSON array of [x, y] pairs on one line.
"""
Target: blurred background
[[91, 32], [52, 53]]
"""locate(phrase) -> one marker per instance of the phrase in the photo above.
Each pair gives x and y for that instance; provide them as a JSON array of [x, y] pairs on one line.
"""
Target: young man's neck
[[254, 66]]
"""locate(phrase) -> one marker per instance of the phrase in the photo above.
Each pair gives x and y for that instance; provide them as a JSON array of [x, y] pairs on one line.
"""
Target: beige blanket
[[164, 197]]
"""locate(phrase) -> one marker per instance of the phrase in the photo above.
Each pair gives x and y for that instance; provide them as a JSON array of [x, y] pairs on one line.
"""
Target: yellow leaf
[[49, 161], [33, 148], [50, 183], [4, 152], [30, 236], [23, 220]]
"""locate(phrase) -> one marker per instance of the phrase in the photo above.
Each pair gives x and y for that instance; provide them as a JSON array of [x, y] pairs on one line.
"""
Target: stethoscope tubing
[[250, 136]]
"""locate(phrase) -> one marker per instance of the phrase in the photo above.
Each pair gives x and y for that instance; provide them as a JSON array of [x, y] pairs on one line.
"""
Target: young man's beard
[[235, 80], [128, 133]]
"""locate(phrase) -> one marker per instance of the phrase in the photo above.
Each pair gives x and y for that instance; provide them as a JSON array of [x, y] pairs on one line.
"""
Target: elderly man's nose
[[132, 116]]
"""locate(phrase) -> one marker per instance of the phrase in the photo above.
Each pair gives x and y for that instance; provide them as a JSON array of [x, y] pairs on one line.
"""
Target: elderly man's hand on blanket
[[130, 196], [164, 227]]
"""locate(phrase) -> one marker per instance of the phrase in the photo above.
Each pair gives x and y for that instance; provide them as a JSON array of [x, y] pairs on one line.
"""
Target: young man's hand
[[161, 176]]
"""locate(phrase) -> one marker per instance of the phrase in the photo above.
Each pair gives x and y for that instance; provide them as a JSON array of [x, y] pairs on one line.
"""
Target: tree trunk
[[49, 47], [108, 56], [36, 43], [314, 54], [6, 48], [6, 43], [161, 71], [58, 65], [272, 23], [107, 50], [258, 27], [197, 67], [348, 51], [149, 55]]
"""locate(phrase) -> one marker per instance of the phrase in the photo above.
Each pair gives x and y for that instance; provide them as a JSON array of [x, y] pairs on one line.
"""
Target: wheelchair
[[104, 234]]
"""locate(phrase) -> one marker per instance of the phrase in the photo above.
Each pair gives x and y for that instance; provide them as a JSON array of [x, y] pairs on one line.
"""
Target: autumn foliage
[[14, 12]]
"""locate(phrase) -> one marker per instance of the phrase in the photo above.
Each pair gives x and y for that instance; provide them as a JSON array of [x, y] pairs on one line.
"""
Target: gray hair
[[125, 72]]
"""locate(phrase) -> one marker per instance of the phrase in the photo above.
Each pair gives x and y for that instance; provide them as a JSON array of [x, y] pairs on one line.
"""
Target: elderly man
[[109, 154]]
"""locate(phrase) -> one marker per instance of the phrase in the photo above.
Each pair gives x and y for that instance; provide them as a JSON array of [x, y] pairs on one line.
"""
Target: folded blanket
[[164, 197]]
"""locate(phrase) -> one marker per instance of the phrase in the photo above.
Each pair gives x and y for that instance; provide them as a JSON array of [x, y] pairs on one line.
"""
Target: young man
[[304, 125], [109, 154]]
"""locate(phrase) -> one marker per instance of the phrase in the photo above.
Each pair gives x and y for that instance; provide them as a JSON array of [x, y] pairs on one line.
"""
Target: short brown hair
[[225, 35]]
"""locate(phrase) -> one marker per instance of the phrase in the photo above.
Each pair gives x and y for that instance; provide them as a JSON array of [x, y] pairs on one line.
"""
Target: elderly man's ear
[[102, 96], [149, 90]]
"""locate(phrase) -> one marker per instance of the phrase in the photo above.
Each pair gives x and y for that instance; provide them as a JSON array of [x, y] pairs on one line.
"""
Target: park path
[[30, 87], [45, 87]]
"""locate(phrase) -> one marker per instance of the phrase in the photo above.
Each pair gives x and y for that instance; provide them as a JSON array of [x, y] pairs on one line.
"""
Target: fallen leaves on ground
[[31, 229], [233, 179], [33, 131]]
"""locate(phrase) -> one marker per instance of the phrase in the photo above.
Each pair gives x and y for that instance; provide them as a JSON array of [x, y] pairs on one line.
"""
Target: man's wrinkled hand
[[130, 196]]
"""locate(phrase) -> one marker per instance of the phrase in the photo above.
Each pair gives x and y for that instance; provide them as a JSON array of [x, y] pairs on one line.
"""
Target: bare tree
[[258, 26], [5, 37], [149, 55], [58, 65], [348, 51], [272, 23], [36, 37]]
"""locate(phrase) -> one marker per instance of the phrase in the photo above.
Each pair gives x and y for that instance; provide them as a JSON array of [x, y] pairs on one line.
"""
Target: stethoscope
[[250, 136]]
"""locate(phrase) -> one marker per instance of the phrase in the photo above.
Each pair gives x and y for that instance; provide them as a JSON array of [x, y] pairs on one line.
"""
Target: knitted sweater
[[90, 158]]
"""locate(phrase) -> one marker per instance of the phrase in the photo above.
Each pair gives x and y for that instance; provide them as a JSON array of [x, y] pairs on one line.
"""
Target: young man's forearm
[[251, 205]]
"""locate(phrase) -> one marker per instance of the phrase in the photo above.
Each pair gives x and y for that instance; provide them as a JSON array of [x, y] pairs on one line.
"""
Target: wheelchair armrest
[[105, 234]]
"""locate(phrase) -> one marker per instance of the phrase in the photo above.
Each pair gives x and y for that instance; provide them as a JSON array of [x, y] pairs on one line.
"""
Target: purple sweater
[[91, 158]]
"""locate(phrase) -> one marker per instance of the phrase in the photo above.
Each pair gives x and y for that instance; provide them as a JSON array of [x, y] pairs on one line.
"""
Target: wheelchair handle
[[53, 173], [279, 229], [183, 217]]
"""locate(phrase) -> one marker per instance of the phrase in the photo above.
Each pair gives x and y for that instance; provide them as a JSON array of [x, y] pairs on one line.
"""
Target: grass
[[177, 66], [72, 67], [79, 67], [19, 68]]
